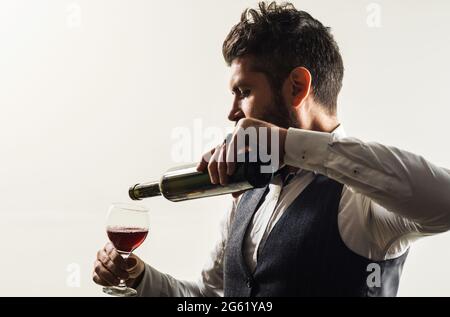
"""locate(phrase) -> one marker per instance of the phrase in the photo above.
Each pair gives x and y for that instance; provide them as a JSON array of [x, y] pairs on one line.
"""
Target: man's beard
[[280, 114]]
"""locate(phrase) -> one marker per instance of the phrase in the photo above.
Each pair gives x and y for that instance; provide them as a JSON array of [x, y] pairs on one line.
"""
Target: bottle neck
[[144, 190]]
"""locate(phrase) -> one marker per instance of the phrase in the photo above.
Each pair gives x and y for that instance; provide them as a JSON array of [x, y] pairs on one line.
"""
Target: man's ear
[[300, 81]]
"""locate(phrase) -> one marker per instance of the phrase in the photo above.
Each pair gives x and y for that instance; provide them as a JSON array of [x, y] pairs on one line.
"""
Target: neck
[[325, 124], [313, 117], [314, 120]]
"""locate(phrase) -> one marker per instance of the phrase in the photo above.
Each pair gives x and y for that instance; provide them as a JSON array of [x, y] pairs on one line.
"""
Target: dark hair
[[280, 37]]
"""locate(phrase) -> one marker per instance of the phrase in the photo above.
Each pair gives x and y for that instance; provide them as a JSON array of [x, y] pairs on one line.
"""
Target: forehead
[[243, 72], [241, 65]]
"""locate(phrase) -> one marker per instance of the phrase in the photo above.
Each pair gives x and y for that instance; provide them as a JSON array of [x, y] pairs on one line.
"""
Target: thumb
[[135, 266], [131, 263]]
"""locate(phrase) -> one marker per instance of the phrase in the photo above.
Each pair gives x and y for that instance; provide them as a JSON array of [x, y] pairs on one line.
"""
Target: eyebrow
[[238, 83]]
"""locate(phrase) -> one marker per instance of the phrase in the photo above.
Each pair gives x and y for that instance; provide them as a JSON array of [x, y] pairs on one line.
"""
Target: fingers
[[99, 281], [219, 162], [231, 155], [203, 165], [209, 163], [222, 165], [102, 276], [212, 166], [109, 267], [115, 257]]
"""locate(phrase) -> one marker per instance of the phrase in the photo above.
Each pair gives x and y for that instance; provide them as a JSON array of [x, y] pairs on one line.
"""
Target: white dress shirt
[[389, 199]]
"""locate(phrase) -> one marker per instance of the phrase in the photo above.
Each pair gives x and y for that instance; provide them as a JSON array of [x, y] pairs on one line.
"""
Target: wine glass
[[127, 227]]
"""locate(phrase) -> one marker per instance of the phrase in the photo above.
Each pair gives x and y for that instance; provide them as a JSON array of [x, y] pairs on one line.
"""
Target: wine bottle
[[185, 182]]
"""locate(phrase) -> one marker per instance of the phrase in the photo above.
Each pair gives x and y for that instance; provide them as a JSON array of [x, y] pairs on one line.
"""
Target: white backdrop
[[91, 92]]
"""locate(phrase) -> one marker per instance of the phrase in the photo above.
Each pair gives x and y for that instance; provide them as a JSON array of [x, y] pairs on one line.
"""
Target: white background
[[91, 91]]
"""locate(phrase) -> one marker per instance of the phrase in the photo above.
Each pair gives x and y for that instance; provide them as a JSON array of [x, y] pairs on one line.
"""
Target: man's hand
[[221, 161], [110, 268]]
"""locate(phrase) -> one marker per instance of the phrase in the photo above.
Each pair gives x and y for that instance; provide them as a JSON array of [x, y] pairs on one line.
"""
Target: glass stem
[[125, 256]]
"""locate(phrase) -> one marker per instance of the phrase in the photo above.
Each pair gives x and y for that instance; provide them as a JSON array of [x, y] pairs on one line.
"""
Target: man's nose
[[235, 113]]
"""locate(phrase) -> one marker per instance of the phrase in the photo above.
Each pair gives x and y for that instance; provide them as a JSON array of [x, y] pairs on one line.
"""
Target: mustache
[[279, 119], [277, 113]]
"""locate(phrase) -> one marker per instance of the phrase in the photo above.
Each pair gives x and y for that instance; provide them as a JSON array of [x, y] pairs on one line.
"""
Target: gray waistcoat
[[304, 254]]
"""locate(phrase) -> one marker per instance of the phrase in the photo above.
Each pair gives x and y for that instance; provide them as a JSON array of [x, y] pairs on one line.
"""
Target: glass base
[[120, 291]]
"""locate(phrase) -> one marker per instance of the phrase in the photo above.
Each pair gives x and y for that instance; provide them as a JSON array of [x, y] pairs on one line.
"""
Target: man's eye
[[245, 93], [241, 93]]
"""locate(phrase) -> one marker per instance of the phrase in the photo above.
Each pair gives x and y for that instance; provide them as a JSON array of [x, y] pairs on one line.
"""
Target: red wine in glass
[[127, 227], [126, 239]]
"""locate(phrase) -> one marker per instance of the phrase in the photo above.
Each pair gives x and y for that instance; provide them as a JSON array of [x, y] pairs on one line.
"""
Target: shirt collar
[[339, 131]]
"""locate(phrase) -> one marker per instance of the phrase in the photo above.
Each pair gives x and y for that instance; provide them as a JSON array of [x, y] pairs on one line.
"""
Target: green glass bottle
[[185, 182]]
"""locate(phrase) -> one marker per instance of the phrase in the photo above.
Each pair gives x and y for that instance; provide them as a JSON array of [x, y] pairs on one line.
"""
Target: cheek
[[246, 106], [247, 109], [252, 107]]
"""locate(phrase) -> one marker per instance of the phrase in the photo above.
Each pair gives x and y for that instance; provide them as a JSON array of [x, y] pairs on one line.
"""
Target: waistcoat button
[[249, 282]]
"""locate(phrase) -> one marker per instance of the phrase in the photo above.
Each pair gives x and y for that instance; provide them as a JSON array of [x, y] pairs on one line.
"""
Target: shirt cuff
[[307, 149]]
